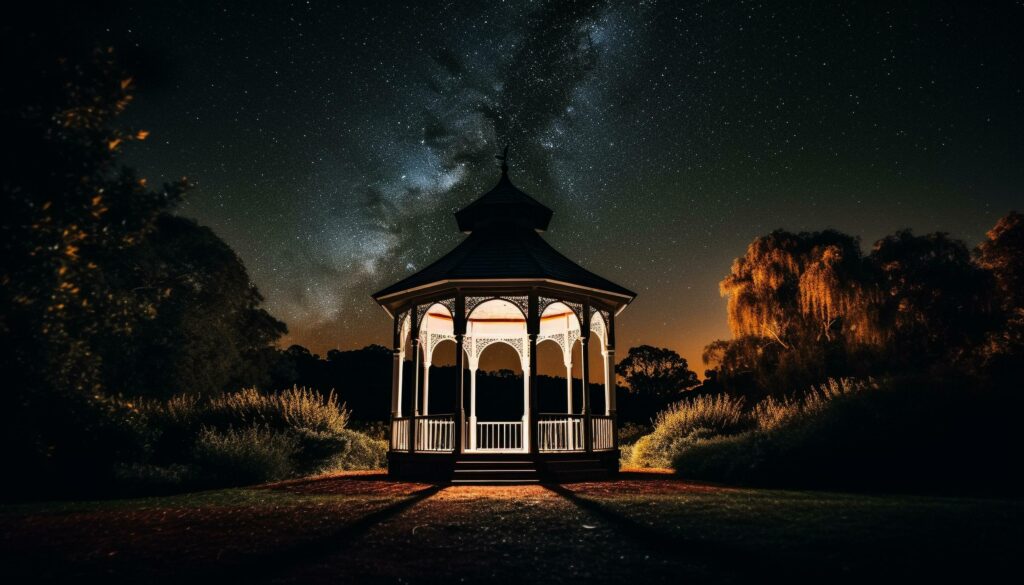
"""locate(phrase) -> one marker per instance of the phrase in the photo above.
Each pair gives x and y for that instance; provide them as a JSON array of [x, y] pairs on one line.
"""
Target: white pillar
[[609, 381], [472, 407], [401, 373], [526, 407], [396, 367], [416, 382], [568, 387], [426, 387]]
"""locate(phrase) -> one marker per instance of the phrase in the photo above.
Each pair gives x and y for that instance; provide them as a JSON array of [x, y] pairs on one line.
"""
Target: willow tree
[[798, 288]]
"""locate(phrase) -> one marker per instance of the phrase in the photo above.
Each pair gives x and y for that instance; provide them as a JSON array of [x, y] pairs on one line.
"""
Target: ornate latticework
[[482, 343], [434, 339], [448, 304], [420, 311], [522, 302], [544, 302], [576, 308], [597, 325]]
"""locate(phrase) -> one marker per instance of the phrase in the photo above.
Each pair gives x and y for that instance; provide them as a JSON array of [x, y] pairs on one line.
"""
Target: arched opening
[[552, 390], [499, 385]]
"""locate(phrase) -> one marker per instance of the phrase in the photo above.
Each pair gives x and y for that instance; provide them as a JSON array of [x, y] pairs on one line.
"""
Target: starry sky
[[331, 142]]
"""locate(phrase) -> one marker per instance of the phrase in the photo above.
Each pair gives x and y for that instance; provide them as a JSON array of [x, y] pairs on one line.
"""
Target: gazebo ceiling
[[504, 249]]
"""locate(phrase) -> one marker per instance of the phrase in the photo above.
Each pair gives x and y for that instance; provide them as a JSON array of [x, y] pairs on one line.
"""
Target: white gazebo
[[502, 285]]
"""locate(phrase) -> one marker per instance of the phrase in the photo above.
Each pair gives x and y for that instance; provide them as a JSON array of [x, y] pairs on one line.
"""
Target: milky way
[[331, 143]]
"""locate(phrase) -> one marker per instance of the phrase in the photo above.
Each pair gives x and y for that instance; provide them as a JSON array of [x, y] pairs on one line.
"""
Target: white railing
[[400, 434], [560, 432], [435, 433], [603, 432], [499, 436]]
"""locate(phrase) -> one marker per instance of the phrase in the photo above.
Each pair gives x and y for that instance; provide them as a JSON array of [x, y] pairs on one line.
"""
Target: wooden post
[[396, 381], [588, 430], [588, 423], [459, 329], [532, 329], [415, 344], [459, 420]]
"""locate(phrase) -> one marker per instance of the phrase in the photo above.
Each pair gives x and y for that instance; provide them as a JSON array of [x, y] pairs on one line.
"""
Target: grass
[[360, 527]]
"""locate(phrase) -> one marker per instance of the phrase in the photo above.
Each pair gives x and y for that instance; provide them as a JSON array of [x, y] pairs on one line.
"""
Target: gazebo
[[503, 284]]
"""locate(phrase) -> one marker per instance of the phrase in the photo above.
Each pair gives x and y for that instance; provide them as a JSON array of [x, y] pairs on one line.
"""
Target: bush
[[919, 435], [681, 424], [361, 452], [244, 456], [247, 437]]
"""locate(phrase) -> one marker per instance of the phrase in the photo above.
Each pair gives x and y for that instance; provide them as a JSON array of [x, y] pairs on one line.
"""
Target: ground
[[655, 527]]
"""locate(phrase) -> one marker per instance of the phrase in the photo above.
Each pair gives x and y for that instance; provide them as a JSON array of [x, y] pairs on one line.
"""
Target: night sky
[[330, 143]]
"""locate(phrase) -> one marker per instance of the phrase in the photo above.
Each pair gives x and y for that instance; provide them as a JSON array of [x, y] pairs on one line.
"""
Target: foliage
[[806, 307], [685, 422], [849, 434], [103, 293], [242, 456], [656, 371]]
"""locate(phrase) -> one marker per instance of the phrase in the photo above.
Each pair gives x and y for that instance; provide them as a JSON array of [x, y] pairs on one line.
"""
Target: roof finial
[[503, 157]]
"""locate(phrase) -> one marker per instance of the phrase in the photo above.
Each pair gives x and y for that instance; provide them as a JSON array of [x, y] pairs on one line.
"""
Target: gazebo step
[[495, 481], [490, 464], [495, 469]]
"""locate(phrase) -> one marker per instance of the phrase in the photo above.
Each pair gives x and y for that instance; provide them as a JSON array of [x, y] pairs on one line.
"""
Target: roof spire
[[503, 157]]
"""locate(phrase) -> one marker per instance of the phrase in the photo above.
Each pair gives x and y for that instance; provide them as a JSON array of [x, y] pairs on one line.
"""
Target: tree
[[936, 303], [656, 372], [795, 288], [1002, 254], [208, 330]]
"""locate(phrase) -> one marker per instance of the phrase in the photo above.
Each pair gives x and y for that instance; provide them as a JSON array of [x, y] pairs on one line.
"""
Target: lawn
[[361, 527]]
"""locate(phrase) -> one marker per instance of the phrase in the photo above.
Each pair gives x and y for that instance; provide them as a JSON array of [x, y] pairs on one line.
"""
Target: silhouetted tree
[[102, 291], [936, 303], [656, 372]]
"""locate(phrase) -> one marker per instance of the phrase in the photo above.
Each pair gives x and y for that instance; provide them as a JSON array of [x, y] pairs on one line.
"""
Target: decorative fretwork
[[544, 302], [448, 304], [558, 338], [420, 311], [522, 302], [473, 302], [482, 343], [434, 339], [576, 308], [597, 325]]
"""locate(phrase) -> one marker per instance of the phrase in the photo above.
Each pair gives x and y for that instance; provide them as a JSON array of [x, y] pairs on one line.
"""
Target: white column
[[426, 387], [609, 381], [526, 407], [396, 367], [401, 373], [472, 406], [568, 387], [416, 382]]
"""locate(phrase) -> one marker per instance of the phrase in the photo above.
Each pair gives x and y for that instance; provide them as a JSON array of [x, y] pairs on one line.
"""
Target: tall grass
[[248, 436], [687, 421], [922, 433]]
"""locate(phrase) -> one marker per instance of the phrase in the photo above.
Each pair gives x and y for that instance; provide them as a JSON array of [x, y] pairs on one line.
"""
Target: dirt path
[[501, 534]]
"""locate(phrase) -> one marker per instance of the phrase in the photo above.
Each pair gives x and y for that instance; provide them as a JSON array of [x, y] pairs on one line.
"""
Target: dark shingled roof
[[504, 243]]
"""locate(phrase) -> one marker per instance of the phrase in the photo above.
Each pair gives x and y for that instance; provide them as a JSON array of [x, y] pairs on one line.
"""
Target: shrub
[[361, 452], [687, 421], [297, 431], [929, 434], [244, 456]]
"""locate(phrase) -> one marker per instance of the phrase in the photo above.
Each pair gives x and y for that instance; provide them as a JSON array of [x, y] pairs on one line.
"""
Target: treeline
[[806, 307]]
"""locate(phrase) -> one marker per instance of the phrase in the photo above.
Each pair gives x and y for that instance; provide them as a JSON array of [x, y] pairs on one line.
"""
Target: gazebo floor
[[503, 468]]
